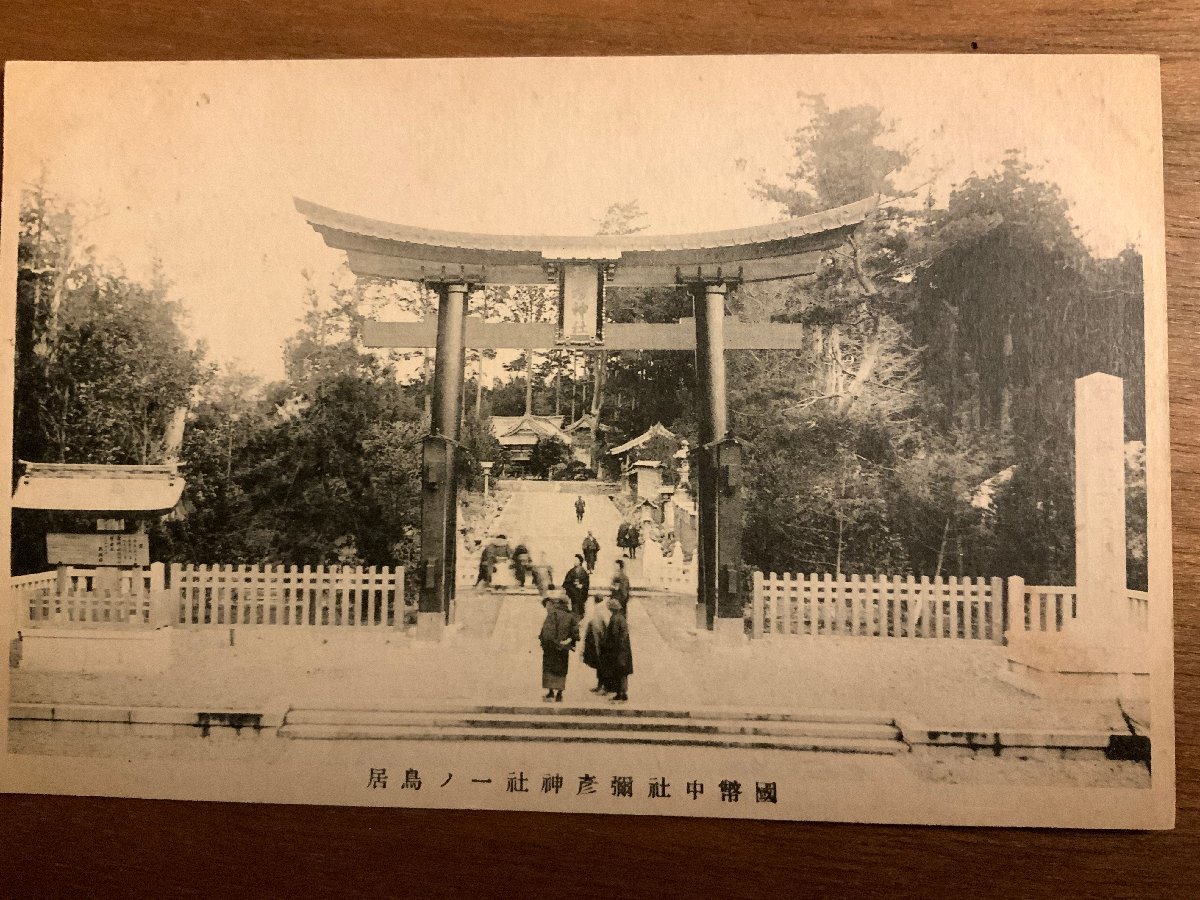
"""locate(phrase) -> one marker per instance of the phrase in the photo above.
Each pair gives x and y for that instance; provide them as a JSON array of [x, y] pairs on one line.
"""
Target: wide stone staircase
[[841, 732]]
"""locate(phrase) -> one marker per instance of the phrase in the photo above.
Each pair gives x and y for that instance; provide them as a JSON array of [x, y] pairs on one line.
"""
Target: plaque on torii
[[707, 265]]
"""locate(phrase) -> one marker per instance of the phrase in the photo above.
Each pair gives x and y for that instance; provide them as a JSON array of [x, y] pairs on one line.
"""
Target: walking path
[[542, 517], [510, 661], [544, 520]]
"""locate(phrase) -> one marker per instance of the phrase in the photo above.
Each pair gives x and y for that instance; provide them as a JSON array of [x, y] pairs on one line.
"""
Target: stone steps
[[827, 731]]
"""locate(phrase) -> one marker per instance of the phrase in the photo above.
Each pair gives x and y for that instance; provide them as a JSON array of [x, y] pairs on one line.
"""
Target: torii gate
[[708, 265]]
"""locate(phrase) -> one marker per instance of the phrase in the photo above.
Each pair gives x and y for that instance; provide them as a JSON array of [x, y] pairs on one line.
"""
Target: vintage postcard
[[749, 437]]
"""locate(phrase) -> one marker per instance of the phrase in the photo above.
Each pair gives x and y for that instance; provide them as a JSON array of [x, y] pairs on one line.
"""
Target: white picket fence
[[337, 596], [91, 608], [668, 572], [43, 599], [1138, 608], [1039, 607], [83, 580], [876, 606], [22, 586]]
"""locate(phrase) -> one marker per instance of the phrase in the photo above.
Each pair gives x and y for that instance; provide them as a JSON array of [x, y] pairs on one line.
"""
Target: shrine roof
[[538, 426], [655, 430], [72, 487], [389, 249], [583, 422]]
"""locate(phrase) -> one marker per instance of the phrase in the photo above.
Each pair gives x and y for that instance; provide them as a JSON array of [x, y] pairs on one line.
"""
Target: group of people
[[606, 633], [605, 628], [523, 566]]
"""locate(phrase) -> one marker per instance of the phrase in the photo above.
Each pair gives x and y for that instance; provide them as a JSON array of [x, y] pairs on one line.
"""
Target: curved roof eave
[[347, 231], [99, 489]]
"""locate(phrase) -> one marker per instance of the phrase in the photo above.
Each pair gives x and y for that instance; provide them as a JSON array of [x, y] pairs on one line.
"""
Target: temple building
[[518, 435]]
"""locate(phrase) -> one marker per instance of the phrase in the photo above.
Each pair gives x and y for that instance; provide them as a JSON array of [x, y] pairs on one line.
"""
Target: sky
[[196, 164]]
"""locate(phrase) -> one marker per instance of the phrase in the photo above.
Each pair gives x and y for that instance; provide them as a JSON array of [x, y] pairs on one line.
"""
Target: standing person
[[521, 563], [560, 632], [618, 652], [620, 585], [591, 549], [593, 643], [633, 540], [485, 566], [576, 584], [580, 506]]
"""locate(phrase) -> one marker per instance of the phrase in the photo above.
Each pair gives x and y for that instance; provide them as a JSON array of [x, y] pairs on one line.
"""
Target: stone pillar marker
[[1099, 504], [1099, 653]]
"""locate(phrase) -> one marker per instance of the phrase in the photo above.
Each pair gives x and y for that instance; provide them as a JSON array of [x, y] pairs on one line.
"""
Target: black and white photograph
[[770, 437]]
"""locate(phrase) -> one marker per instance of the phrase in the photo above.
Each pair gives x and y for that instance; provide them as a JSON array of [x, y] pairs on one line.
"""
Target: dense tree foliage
[[944, 346], [102, 363], [548, 454], [321, 468]]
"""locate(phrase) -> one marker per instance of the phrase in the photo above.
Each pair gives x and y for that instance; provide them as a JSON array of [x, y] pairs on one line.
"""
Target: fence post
[[954, 590], [157, 577], [996, 611], [926, 617], [179, 591], [398, 597], [1015, 595], [794, 603], [159, 601], [756, 606]]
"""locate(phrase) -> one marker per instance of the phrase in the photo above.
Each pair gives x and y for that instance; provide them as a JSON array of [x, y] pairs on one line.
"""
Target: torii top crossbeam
[[761, 253], [581, 266]]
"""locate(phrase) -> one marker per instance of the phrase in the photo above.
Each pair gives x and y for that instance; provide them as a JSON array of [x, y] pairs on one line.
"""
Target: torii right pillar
[[719, 538], [1099, 653]]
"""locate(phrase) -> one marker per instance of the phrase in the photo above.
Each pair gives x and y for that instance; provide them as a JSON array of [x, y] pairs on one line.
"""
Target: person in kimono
[[618, 652], [593, 643], [522, 562], [485, 566], [576, 584], [620, 585], [591, 549], [560, 633]]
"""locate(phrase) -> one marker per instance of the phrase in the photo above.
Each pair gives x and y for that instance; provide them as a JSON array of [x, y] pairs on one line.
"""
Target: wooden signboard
[[97, 549], [579, 295]]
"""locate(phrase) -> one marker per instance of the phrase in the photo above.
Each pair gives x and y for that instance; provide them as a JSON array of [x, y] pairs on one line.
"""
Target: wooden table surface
[[64, 845]]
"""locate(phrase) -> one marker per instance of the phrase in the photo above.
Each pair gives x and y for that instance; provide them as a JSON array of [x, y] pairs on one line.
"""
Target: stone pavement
[[541, 516], [494, 657], [510, 659]]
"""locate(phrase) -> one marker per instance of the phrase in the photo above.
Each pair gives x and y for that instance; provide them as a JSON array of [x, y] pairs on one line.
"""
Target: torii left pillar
[[439, 465], [719, 531]]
